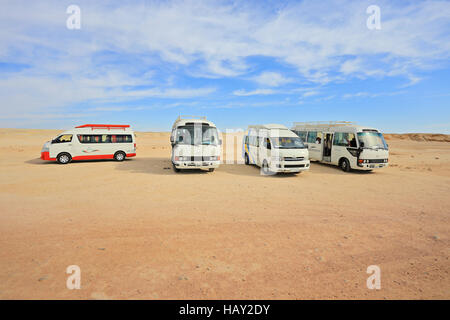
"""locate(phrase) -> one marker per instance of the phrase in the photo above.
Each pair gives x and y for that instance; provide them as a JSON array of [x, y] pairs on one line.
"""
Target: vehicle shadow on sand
[[39, 161], [332, 169], [162, 166]]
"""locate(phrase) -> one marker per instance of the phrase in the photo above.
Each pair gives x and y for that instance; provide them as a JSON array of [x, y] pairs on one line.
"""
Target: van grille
[[200, 158], [376, 160], [294, 165], [294, 158]]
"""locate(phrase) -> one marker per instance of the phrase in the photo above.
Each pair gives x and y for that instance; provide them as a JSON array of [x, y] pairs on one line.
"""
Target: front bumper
[[196, 164], [45, 155], [290, 166], [370, 164]]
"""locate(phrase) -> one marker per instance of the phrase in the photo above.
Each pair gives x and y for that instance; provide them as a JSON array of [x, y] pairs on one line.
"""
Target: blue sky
[[237, 62]]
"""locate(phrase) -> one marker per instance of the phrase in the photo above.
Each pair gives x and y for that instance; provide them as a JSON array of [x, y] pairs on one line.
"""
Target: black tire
[[247, 160], [119, 156], [345, 165], [211, 169], [64, 158], [265, 168], [175, 169]]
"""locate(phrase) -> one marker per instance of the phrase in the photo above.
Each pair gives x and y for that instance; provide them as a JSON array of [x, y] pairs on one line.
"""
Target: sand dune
[[138, 230], [419, 137]]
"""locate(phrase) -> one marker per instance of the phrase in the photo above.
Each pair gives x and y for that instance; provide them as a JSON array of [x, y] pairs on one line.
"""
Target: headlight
[[214, 158]]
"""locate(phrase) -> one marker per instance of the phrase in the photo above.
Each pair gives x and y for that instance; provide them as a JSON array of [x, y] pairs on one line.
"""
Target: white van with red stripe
[[91, 142]]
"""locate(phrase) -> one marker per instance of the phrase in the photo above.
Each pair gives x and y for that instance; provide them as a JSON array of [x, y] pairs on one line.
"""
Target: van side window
[[105, 138], [267, 144], [253, 141], [312, 135]]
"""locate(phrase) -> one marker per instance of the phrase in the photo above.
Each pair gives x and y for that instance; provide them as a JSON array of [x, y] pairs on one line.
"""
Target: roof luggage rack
[[324, 124], [267, 126], [181, 117], [104, 126]]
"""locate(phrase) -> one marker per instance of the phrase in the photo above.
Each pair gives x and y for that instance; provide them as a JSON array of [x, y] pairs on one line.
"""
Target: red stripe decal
[[94, 157]]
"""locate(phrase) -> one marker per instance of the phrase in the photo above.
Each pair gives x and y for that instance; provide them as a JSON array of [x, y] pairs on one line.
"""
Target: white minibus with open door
[[195, 144], [91, 142], [274, 148], [344, 144]]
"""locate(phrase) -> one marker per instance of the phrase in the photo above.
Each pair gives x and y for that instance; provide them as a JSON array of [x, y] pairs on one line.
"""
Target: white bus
[[91, 142], [274, 148], [195, 144], [344, 144]]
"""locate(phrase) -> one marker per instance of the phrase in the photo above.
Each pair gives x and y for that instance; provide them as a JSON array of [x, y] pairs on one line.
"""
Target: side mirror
[[269, 147], [361, 144], [172, 139]]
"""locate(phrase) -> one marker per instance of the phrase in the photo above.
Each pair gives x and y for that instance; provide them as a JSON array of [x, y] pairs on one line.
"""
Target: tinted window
[[344, 139], [312, 135], [63, 138], [301, 134], [105, 138]]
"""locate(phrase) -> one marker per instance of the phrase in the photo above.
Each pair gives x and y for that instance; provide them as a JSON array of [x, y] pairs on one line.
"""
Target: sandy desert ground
[[140, 231]]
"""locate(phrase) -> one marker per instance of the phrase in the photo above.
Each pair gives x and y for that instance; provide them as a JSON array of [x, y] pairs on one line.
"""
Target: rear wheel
[[63, 158], [345, 165], [247, 160], [119, 156]]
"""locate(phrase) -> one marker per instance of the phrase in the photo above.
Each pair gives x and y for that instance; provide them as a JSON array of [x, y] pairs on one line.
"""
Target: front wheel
[[345, 165], [211, 169], [175, 169], [265, 168], [63, 158], [119, 156]]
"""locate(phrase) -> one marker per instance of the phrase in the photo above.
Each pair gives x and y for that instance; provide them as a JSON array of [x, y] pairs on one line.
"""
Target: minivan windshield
[[372, 140], [197, 135], [287, 143]]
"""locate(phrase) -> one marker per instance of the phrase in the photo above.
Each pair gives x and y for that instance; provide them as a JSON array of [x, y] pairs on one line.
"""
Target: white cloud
[[310, 93], [323, 41], [254, 92], [371, 95], [271, 79]]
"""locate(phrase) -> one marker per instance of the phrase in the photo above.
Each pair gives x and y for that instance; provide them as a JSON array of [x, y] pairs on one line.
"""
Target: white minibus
[[195, 144], [344, 144], [91, 142], [274, 148]]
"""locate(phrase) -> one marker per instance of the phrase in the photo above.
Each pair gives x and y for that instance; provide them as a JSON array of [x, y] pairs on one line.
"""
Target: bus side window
[[312, 135], [113, 138], [352, 140], [319, 138]]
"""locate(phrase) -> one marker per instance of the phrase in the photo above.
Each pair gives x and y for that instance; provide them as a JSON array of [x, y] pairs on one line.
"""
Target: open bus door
[[327, 145]]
